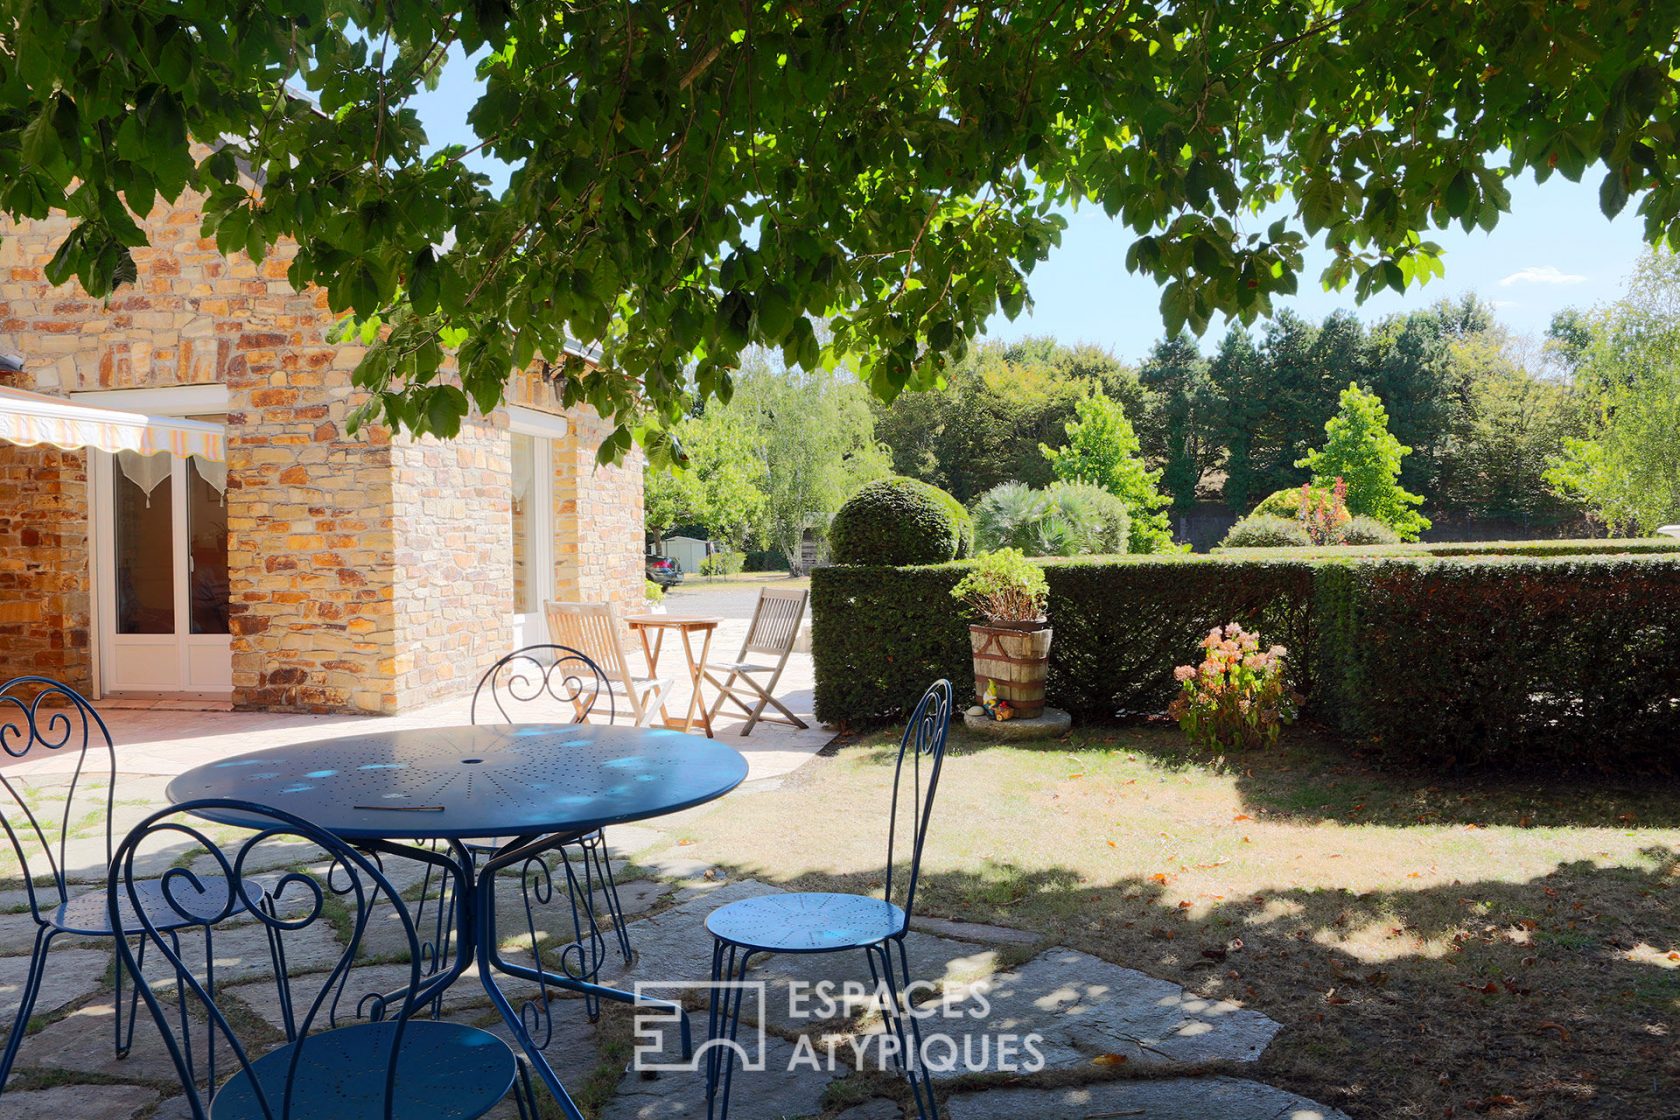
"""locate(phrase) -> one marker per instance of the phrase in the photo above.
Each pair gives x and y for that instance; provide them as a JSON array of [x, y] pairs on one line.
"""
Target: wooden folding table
[[688, 625]]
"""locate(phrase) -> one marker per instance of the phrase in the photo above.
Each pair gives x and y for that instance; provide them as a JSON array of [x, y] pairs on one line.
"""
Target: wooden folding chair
[[770, 639], [594, 630]]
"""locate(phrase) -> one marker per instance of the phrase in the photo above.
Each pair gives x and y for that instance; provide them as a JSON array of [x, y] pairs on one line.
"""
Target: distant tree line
[[1484, 412], [1496, 426]]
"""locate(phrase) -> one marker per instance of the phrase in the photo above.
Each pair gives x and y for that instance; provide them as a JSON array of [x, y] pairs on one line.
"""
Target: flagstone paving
[[1113, 1041]]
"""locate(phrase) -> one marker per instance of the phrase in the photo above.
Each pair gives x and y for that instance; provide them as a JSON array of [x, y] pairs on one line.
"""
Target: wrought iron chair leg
[[524, 1095], [534, 874], [921, 1084], [125, 1042], [587, 933], [880, 980], [210, 990], [31, 989], [603, 864], [723, 957], [732, 997]]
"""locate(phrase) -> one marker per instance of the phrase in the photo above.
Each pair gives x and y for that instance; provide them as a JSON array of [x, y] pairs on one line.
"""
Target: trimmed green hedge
[[1519, 659], [1629, 546], [1510, 661], [879, 634]]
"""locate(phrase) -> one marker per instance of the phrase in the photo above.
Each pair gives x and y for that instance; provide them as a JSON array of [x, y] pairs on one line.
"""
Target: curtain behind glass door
[[145, 553]]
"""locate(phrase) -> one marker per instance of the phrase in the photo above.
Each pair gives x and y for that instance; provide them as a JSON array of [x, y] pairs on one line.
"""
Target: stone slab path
[[1077, 1036]]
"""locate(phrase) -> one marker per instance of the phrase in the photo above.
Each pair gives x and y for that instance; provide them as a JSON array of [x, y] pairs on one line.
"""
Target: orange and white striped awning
[[32, 418]]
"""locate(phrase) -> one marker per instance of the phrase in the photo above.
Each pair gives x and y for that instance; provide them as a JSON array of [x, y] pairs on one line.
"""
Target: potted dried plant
[[1012, 646]]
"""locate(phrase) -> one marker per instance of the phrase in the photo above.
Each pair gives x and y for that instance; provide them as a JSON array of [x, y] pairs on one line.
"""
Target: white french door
[[161, 570], [531, 445], [533, 537]]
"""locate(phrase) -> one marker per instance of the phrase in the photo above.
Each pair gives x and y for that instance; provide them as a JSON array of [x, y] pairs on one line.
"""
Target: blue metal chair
[[816, 922], [387, 1064], [560, 685], [39, 716]]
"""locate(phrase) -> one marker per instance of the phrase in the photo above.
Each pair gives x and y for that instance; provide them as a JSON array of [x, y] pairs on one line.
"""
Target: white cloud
[[1542, 274], [1502, 304]]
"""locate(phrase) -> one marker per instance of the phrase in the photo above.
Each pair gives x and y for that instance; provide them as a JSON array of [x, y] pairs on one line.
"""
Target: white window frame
[[174, 400], [543, 428]]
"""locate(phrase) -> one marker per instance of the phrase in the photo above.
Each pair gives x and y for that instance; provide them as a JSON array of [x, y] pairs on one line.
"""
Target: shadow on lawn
[[1553, 997]]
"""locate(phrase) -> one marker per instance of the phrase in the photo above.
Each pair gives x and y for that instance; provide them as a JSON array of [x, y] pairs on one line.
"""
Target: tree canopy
[[1102, 450], [1360, 452], [1626, 465], [691, 178]]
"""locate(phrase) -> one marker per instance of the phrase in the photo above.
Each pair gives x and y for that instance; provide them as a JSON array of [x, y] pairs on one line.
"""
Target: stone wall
[[310, 527], [453, 524], [597, 519], [364, 575], [44, 564]]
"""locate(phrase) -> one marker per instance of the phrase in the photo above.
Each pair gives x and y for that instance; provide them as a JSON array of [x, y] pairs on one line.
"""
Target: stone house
[[311, 570]]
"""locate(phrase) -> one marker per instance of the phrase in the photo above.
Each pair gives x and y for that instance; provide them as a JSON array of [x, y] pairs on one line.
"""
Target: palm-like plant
[[1007, 516], [1067, 519]]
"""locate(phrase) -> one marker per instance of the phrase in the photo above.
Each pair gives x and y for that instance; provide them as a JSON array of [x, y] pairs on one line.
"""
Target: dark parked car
[[664, 571]]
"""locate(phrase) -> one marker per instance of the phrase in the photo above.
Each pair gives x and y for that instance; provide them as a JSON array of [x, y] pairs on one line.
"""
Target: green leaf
[[445, 408], [41, 145], [1612, 194]]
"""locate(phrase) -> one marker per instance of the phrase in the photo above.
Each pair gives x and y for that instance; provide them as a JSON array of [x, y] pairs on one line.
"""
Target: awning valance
[[31, 418]]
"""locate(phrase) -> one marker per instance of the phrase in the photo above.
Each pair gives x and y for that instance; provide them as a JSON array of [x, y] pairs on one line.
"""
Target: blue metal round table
[[537, 784]]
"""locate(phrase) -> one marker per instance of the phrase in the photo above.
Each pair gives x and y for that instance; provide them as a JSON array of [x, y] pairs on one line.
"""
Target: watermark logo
[[659, 1022], [931, 1030]]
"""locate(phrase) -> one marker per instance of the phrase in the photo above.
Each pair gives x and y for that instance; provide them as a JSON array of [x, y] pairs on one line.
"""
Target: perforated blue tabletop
[[459, 782]]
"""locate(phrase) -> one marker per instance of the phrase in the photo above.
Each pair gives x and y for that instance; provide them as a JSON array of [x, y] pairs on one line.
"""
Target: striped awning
[[31, 418]]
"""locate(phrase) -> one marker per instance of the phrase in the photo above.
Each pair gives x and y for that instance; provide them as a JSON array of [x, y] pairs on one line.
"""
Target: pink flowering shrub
[[1236, 697], [1324, 516]]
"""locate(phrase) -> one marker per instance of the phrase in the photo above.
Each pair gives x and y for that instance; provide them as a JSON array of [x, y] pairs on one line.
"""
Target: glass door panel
[[207, 552], [524, 472], [145, 547]]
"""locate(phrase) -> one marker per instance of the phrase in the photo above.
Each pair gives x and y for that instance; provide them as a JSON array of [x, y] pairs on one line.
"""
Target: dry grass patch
[[1433, 947]]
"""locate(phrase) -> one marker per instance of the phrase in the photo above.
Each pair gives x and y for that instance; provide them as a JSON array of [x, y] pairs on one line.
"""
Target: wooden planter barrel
[[1014, 661]]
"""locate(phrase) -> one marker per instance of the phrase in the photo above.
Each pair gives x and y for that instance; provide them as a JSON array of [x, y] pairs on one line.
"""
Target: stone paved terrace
[[1113, 1042]]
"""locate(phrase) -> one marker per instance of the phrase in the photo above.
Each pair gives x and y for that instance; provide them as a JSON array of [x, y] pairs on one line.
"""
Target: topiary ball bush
[[896, 521], [1258, 530], [1368, 530]]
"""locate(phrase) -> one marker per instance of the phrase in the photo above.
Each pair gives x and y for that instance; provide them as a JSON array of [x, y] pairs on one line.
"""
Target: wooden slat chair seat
[[770, 640], [594, 630]]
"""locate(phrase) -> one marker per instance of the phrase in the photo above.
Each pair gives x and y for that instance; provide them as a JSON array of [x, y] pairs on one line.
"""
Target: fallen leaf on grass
[[1216, 954], [1548, 1025], [1335, 1000], [1242, 817]]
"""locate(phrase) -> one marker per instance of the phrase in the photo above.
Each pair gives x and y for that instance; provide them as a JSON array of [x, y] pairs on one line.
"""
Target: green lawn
[[1433, 946]]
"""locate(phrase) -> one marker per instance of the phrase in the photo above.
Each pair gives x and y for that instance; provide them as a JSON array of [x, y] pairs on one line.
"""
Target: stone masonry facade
[[367, 573]]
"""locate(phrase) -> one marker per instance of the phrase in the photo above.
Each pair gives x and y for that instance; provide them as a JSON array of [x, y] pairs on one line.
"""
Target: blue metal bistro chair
[[38, 718], [545, 684], [811, 922], [388, 1064]]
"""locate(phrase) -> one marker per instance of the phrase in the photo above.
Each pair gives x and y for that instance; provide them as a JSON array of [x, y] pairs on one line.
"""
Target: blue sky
[[1553, 250]]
